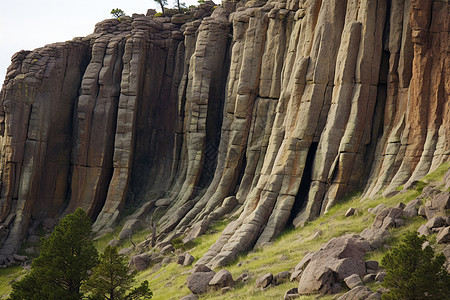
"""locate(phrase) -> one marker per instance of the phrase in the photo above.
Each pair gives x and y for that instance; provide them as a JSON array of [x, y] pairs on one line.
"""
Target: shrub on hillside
[[415, 273]]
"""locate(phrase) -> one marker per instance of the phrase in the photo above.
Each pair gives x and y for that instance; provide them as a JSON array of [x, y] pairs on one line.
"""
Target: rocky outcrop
[[270, 110]]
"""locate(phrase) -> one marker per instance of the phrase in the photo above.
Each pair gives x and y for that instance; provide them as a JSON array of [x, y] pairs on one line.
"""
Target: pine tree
[[111, 279], [63, 263], [415, 273]]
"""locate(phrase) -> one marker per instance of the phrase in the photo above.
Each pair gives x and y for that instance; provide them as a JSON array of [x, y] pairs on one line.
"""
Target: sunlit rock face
[[269, 110]]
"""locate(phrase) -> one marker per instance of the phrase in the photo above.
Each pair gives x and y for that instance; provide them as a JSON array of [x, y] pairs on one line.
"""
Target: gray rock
[[380, 276], [443, 237], [222, 279], [243, 277], [304, 262], [350, 212], [295, 276], [360, 293], [281, 277], [198, 282], [291, 294], [335, 261], [353, 281], [435, 222], [369, 278], [201, 268], [190, 297], [114, 243], [188, 259], [141, 261], [167, 249], [423, 230], [372, 264], [264, 281], [20, 258]]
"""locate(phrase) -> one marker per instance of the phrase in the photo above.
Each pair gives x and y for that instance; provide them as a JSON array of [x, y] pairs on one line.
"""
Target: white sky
[[27, 24]]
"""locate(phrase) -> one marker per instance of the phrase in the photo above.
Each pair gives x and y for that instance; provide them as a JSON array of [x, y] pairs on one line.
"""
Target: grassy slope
[[168, 281]]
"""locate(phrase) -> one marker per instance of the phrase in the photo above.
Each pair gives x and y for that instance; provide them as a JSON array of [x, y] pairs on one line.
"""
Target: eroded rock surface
[[271, 110]]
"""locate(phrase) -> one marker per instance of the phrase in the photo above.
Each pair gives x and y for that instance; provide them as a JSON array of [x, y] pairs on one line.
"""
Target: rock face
[[271, 109]]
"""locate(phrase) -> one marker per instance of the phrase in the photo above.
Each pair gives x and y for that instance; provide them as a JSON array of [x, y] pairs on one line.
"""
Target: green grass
[[169, 281], [7, 275]]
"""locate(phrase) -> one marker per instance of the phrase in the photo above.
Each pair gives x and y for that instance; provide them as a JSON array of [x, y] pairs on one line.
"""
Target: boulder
[[188, 259], [377, 209], [423, 230], [21, 258], [304, 262], [281, 277], [443, 236], [369, 278], [190, 297], [201, 268], [380, 276], [140, 262], [291, 294], [350, 212], [375, 237], [264, 281], [243, 277], [167, 249], [353, 281], [198, 282], [295, 276], [435, 222], [336, 260], [114, 243], [372, 264], [360, 293], [222, 279]]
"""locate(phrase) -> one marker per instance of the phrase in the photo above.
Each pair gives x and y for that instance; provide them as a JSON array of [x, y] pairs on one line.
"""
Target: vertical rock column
[[201, 112], [37, 103], [95, 124]]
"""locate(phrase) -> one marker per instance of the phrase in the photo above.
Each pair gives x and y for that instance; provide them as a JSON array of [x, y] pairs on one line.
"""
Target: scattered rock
[[140, 262], [201, 268], [380, 276], [372, 264], [243, 277], [353, 281], [114, 243], [281, 277], [369, 278], [126, 251], [167, 249], [188, 259], [264, 281], [360, 293], [350, 212], [225, 289], [21, 258], [423, 230], [443, 237], [304, 262], [375, 237], [377, 209], [295, 276], [190, 297], [435, 222], [222, 279], [198, 282], [291, 294], [337, 259]]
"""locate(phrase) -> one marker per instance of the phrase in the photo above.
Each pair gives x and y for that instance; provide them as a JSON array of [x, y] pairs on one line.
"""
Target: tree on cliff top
[[162, 3], [415, 273], [63, 263], [111, 279]]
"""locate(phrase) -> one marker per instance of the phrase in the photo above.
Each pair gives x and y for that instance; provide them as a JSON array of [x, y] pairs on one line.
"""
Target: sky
[[27, 24]]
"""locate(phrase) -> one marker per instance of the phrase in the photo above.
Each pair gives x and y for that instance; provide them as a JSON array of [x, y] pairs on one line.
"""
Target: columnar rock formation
[[270, 110]]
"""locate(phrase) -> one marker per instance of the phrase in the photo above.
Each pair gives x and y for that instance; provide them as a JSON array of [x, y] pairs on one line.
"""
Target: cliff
[[267, 110]]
